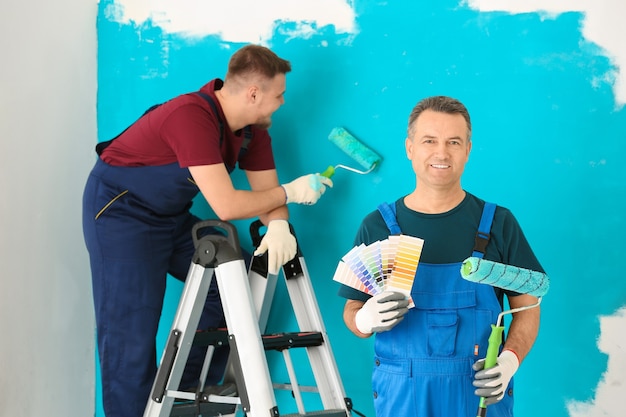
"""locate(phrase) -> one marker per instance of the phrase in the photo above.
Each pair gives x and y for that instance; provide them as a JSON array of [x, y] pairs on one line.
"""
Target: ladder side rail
[[208, 357], [309, 317], [295, 387], [187, 318], [302, 295], [243, 327], [262, 287], [262, 284]]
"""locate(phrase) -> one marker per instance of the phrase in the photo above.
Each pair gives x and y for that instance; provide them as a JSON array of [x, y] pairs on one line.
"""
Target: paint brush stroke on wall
[[604, 27], [597, 28], [601, 25], [197, 19], [611, 387]]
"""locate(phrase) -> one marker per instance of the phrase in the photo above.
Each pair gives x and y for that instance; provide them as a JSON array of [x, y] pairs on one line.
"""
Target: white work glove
[[381, 312], [306, 189], [279, 244], [492, 383]]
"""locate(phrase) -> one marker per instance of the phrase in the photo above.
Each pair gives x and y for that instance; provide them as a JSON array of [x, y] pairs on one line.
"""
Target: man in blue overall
[[427, 358], [137, 221]]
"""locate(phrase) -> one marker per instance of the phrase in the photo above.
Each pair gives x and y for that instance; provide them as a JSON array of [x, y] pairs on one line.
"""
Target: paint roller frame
[[355, 149], [493, 347], [470, 267]]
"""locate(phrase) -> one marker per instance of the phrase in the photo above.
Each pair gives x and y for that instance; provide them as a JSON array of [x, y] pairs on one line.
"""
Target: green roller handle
[[495, 340], [329, 172]]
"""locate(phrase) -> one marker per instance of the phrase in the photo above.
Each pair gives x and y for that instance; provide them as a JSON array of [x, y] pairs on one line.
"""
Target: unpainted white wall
[[47, 131]]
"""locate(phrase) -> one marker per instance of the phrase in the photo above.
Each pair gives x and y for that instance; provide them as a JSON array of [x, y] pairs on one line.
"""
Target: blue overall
[[423, 366], [137, 228]]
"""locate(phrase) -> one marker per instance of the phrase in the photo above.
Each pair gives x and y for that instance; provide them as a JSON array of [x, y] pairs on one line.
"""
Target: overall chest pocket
[[447, 318], [442, 332]]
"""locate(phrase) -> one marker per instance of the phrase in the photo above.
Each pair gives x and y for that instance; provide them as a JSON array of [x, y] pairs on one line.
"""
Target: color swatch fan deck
[[386, 265]]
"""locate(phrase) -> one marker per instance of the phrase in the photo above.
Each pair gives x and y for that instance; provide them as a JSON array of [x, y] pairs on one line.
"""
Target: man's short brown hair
[[256, 59], [441, 104]]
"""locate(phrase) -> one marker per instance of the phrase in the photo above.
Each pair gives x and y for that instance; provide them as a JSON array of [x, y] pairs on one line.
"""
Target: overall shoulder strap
[[388, 211], [209, 100], [482, 235], [247, 131], [247, 137], [100, 147]]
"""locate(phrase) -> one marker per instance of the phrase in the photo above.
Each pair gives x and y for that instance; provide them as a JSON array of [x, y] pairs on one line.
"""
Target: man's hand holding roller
[[492, 383], [278, 241], [306, 189]]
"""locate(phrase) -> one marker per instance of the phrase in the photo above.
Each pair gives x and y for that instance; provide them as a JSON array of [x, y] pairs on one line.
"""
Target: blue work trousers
[[132, 246]]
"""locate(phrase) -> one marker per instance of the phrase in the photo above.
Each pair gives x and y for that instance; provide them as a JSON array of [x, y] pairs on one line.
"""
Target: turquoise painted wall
[[548, 142]]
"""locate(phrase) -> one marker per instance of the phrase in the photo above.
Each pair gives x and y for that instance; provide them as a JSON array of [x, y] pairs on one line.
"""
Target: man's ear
[[252, 94], [408, 145]]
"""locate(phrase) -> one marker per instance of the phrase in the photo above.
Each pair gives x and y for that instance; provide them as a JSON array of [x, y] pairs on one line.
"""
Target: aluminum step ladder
[[246, 299]]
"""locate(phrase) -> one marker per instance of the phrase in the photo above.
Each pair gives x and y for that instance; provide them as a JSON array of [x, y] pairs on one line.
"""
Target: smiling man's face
[[439, 149]]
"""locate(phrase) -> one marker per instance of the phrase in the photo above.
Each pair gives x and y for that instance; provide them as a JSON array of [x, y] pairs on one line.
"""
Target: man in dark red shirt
[[137, 224]]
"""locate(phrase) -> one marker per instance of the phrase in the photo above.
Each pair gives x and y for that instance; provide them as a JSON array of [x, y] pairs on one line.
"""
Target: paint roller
[[507, 277], [363, 155]]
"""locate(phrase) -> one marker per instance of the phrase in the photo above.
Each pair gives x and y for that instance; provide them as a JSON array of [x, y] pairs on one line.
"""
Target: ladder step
[[277, 341], [325, 413], [205, 409], [282, 341], [216, 409], [212, 337]]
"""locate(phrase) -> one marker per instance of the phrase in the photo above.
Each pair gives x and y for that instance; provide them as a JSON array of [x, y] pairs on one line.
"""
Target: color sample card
[[407, 257], [344, 275], [388, 249], [387, 265], [354, 262], [370, 258]]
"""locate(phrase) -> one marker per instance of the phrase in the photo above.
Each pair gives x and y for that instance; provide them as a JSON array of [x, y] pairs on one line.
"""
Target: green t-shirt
[[449, 237]]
